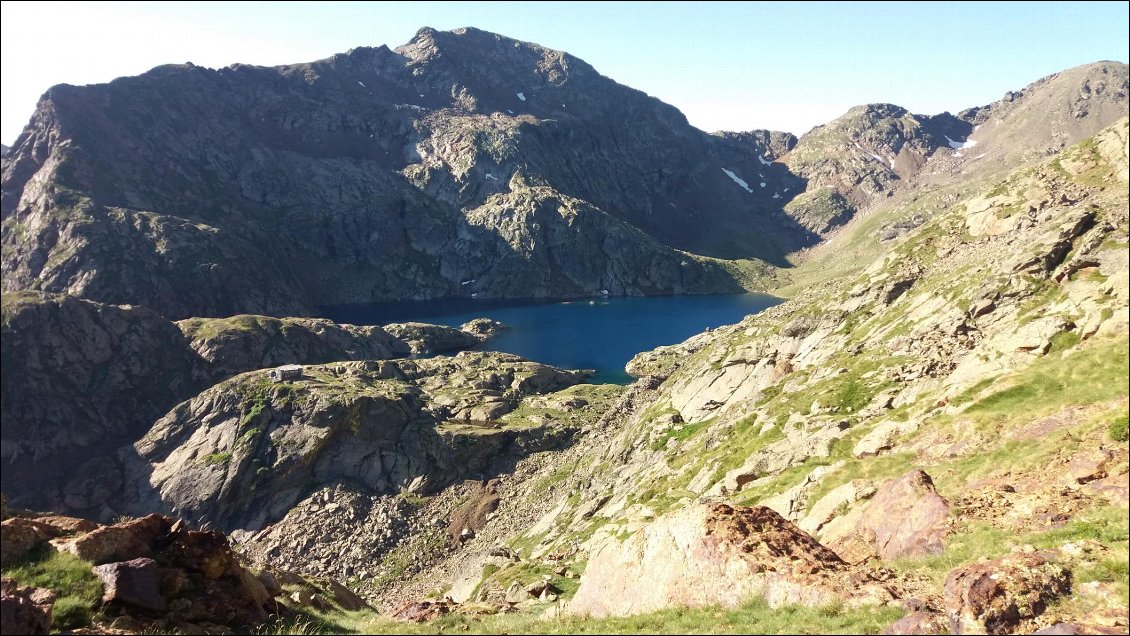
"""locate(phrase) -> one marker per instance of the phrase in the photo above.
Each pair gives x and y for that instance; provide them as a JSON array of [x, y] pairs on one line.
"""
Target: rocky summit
[[928, 435]]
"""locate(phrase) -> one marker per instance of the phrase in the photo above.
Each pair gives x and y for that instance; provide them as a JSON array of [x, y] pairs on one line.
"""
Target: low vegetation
[[79, 590]]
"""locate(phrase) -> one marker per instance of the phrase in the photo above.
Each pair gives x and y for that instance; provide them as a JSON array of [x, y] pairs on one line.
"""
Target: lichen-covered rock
[[998, 596], [18, 537], [906, 517], [711, 555], [241, 453], [24, 610]]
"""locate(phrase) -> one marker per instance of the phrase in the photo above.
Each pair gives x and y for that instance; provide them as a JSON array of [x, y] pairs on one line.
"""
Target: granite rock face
[[461, 164]]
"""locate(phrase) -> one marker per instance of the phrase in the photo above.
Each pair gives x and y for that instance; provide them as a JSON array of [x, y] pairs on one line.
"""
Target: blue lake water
[[601, 334]]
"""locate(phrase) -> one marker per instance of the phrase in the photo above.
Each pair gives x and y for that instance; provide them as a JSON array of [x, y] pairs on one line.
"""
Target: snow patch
[[958, 145], [763, 161], [467, 282], [776, 196], [763, 184], [738, 180], [361, 84], [981, 155], [510, 111], [521, 96], [491, 177]]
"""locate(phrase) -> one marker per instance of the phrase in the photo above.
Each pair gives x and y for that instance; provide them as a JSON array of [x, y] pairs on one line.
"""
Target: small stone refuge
[[287, 372]]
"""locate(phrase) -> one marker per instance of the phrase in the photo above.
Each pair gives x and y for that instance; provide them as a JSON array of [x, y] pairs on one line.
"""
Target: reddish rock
[[24, 610], [919, 623], [1089, 465], [136, 582], [421, 612], [19, 537], [1116, 488], [997, 596], [107, 544], [906, 518], [1070, 629], [714, 555]]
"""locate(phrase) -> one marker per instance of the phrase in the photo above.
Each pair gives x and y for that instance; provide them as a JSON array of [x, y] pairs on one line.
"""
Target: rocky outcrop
[[80, 379], [905, 518], [24, 610], [155, 572], [998, 596], [241, 453], [245, 343], [136, 582], [713, 555]]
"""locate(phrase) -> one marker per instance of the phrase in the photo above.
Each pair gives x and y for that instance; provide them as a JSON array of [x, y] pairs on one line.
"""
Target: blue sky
[[727, 65]]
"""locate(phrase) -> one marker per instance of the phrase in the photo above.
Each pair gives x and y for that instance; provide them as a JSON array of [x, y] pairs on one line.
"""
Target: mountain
[[928, 435], [461, 164]]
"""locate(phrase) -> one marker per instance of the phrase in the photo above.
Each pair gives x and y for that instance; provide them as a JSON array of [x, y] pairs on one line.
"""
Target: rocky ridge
[[81, 379]]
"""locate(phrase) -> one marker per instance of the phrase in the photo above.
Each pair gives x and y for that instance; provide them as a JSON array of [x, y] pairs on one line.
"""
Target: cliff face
[[81, 379], [463, 163]]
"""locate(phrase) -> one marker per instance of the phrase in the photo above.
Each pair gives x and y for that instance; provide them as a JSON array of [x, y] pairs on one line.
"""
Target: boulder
[[18, 537], [205, 552], [906, 518], [996, 597], [827, 508], [68, 526], [516, 593], [24, 610], [345, 597], [1115, 488], [712, 554], [421, 612], [1089, 465], [270, 583], [920, 622], [136, 582], [106, 545]]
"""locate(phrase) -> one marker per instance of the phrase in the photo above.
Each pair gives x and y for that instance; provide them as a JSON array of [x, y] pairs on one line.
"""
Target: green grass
[[1118, 429], [79, 590], [753, 617], [1082, 376], [217, 458]]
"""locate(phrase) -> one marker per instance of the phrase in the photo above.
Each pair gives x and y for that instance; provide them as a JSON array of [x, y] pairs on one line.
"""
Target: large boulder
[[106, 545], [905, 518], [19, 537], [24, 610], [136, 582], [998, 596], [712, 554]]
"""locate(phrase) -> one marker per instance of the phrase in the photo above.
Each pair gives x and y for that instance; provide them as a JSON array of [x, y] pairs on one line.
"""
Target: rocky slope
[[876, 151], [460, 164], [959, 399], [80, 379], [242, 453]]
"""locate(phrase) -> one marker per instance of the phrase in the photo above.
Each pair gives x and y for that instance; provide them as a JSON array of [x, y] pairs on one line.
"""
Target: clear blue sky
[[727, 65]]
